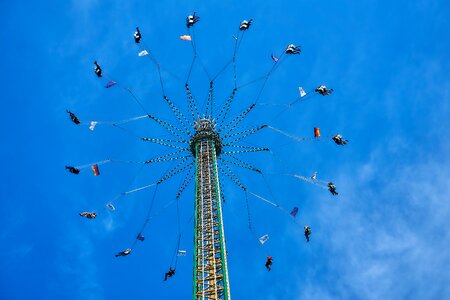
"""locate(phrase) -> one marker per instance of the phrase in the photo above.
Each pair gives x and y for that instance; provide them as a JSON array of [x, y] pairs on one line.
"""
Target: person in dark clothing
[[339, 140], [191, 20], [137, 36], [73, 117], [124, 253], [292, 49], [323, 90], [268, 262], [307, 232], [73, 170], [169, 273], [89, 215], [332, 188], [97, 70], [245, 24]]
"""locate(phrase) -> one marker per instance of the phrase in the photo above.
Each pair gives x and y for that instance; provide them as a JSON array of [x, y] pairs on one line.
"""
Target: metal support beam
[[210, 262]]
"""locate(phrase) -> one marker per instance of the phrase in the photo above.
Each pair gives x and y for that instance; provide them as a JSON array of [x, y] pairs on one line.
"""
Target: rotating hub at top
[[205, 129]]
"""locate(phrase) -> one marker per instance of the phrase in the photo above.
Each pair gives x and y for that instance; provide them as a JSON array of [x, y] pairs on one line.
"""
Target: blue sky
[[384, 237]]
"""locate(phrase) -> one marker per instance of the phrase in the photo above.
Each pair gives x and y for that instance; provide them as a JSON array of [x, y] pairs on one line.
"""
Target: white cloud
[[77, 266], [84, 7], [389, 243]]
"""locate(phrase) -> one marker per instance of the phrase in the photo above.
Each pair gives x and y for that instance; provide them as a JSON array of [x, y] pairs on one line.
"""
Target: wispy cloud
[[77, 267], [394, 245], [85, 8]]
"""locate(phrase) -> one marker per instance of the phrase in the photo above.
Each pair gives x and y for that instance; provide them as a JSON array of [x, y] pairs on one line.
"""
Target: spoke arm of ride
[[320, 183], [167, 126], [238, 119], [113, 123], [162, 157], [94, 163], [175, 170], [225, 109], [191, 104], [222, 194], [232, 176], [155, 62], [239, 163], [165, 142], [295, 138], [242, 147], [187, 179], [138, 189], [209, 103], [243, 134], [166, 159], [264, 199], [179, 115], [135, 98], [244, 163], [246, 150]]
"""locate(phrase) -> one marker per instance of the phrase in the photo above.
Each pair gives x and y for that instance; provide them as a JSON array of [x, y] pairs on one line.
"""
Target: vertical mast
[[210, 263]]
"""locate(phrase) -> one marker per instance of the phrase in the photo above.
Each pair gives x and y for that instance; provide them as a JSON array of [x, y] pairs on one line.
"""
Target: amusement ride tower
[[210, 261], [200, 142]]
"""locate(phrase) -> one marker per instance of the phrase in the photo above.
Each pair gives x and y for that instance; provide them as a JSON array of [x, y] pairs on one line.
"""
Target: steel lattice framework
[[210, 262]]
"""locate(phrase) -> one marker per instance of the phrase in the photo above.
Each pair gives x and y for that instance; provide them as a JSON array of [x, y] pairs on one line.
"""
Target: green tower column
[[210, 262]]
